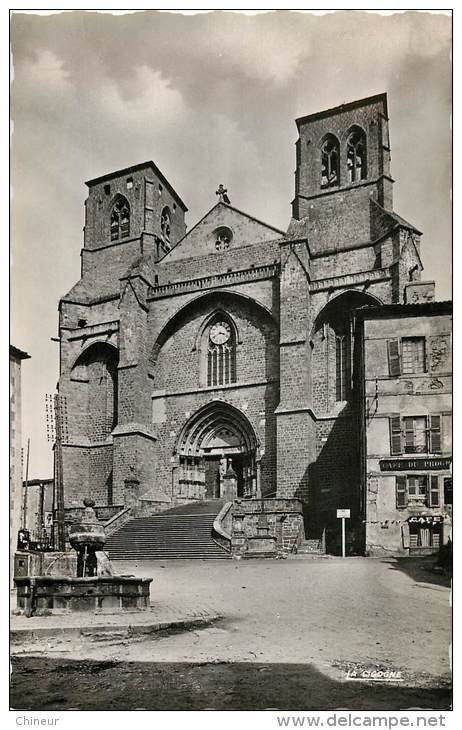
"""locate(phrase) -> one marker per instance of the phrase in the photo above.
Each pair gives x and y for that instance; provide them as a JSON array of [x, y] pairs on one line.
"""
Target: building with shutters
[[218, 362], [405, 392]]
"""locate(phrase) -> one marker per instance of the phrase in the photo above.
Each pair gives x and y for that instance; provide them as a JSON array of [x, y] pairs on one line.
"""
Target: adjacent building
[[38, 510], [16, 494], [405, 381]]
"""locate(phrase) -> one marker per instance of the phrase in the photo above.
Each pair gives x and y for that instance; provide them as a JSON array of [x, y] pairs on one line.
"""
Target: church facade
[[228, 349]]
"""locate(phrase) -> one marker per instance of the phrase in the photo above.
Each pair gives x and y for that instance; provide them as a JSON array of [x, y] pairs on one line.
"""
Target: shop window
[[330, 157], [424, 535]]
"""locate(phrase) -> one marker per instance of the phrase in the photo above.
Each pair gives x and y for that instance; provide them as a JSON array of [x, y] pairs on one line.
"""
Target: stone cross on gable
[[221, 192]]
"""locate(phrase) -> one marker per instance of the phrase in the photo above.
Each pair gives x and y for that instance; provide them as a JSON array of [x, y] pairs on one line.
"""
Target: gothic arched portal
[[217, 441]]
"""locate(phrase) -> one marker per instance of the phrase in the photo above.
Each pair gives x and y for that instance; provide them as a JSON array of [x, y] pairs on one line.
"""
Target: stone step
[[310, 546], [183, 533]]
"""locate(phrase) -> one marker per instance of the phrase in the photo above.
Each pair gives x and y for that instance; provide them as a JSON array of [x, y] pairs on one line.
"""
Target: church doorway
[[217, 467], [217, 453]]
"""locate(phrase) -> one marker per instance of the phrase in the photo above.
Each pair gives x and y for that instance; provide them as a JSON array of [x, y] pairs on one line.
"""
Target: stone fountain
[[96, 588]]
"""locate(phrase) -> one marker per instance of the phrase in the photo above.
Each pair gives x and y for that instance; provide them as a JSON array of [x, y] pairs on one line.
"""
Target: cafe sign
[[414, 464]]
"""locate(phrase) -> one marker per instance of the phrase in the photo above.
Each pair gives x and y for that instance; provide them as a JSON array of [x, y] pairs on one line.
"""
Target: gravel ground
[[292, 631]]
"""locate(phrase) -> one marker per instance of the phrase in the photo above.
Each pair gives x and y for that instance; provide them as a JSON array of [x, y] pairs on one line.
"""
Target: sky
[[210, 98]]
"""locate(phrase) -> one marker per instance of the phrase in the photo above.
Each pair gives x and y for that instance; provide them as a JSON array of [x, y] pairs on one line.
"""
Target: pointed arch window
[[120, 219], [356, 156], [165, 224], [330, 159], [221, 352], [341, 368]]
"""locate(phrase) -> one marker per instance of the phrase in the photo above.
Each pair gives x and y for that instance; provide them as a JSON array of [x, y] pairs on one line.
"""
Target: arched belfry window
[[356, 155], [165, 224], [330, 159], [221, 351], [120, 219], [342, 367]]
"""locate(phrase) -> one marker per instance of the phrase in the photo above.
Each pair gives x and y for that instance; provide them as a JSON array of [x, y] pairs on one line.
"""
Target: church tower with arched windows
[[218, 364]]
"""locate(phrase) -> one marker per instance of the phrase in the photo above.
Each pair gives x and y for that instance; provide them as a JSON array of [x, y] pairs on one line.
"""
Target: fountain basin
[[44, 594], [83, 534]]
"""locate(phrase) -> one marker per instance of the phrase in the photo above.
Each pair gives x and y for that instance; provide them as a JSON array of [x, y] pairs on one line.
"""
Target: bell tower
[[128, 213], [343, 160]]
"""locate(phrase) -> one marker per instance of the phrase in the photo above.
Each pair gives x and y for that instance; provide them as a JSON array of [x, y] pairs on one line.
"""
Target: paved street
[[291, 630]]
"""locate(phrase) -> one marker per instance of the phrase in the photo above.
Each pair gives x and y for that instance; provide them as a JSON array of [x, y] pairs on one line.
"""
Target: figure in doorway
[[221, 473]]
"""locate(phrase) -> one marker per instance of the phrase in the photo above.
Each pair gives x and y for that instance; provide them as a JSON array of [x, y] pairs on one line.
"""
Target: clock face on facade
[[220, 333]]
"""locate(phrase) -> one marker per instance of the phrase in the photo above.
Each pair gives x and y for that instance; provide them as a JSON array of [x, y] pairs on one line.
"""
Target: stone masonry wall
[[178, 389]]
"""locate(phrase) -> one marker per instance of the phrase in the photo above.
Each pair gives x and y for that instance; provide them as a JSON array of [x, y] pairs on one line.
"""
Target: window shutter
[[394, 368], [425, 355], [401, 491], [409, 433], [435, 434], [395, 435], [434, 492]]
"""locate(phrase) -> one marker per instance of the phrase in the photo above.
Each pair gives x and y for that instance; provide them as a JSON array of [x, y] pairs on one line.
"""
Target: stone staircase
[[311, 547], [183, 532]]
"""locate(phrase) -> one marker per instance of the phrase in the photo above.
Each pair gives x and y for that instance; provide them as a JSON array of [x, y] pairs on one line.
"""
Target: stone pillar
[[131, 492], [296, 441], [256, 489], [229, 485], [238, 538]]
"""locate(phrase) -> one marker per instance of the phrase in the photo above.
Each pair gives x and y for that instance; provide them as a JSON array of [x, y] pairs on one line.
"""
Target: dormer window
[[330, 157], [356, 156], [120, 219], [165, 224]]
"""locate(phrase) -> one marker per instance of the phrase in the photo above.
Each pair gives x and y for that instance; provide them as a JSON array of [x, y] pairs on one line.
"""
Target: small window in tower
[[330, 156], [120, 219], [160, 189], [356, 156], [165, 224], [223, 237], [129, 183], [107, 189]]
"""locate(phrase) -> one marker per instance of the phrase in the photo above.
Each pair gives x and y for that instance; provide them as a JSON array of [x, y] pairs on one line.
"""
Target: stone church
[[215, 363]]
